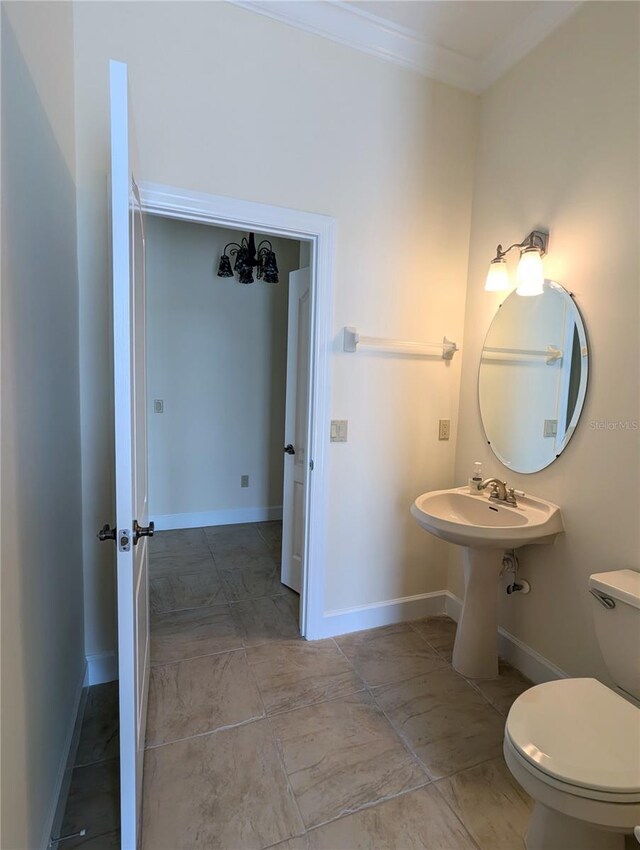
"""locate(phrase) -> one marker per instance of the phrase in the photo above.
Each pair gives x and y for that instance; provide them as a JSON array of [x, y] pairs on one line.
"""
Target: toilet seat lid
[[580, 732]]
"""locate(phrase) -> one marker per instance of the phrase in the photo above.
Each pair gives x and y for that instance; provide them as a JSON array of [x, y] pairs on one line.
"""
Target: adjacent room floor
[[258, 739]]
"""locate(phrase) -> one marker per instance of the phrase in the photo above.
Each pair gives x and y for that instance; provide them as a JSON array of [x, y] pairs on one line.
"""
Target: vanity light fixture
[[530, 274], [248, 257]]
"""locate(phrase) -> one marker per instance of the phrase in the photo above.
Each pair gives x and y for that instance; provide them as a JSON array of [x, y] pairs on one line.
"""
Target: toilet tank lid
[[623, 585]]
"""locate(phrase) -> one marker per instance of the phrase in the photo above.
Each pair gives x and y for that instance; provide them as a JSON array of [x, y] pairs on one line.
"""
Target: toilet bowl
[[574, 744]]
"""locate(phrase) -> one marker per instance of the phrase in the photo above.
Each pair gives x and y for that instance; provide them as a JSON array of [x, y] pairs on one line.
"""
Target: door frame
[[319, 231]]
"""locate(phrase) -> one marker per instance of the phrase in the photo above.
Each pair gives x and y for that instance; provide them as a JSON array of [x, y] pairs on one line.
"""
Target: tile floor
[[258, 739], [93, 802]]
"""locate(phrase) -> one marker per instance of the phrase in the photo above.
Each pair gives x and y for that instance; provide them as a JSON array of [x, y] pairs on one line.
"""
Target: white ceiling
[[467, 43]]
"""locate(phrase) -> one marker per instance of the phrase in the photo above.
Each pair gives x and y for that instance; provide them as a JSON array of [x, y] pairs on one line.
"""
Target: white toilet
[[574, 744]]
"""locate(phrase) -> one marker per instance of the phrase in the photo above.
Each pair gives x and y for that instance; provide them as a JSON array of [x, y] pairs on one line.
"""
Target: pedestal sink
[[484, 528]]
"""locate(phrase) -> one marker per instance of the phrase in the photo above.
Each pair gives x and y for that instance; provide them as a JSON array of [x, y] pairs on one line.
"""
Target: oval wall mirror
[[532, 380]]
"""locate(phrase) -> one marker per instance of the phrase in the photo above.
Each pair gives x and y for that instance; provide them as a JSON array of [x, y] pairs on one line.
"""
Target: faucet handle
[[511, 495]]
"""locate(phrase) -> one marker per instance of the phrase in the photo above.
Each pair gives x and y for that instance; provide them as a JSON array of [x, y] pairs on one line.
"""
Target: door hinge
[[124, 540], [311, 465]]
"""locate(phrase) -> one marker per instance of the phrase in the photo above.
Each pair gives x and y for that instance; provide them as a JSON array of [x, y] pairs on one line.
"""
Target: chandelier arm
[[234, 248]]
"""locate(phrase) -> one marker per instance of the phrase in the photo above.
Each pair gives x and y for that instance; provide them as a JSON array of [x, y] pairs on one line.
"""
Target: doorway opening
[[237, 393], [227, 381]]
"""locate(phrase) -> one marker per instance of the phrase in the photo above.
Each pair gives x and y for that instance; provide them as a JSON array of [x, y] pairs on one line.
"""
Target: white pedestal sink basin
[[484, 529]]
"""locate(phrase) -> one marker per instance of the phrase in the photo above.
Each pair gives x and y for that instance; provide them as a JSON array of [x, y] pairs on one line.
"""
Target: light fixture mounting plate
[[539, 239]]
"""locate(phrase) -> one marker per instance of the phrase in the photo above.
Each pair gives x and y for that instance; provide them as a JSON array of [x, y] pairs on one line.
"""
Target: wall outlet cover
[[158, 405], [244, 480], [444, 429]]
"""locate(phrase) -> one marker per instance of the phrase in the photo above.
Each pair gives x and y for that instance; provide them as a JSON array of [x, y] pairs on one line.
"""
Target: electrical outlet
[[244, 480], [444, 429], [158, 405]]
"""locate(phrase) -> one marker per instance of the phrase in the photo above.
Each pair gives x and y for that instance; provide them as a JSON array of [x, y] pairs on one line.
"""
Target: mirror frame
[[582, 391]]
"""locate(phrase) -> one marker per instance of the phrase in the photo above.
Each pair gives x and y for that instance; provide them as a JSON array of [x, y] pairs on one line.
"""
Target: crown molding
[[353, 27], [369, 34]]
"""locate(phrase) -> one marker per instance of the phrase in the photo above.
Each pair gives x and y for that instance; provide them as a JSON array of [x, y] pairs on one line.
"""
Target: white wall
[[232, 103], [41, 590], [217, 358], [559, 149]]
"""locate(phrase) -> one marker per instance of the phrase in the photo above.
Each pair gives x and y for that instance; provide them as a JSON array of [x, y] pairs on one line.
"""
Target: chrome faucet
[[499, 491]]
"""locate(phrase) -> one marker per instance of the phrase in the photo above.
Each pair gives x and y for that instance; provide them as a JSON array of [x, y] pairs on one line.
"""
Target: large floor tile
[[300, 842], [192, 697], [491, 804], [505, 689], [188, 634], [414, 821], [107, 841], [99, 738], [271, 533], [180, 542], [235, 531], [298, 673], [217, 792], [389, 654], [182, 591], [268, 619], [94, 800], [242, 557], [254, 580], [439, 632], [240, 540], [444, 720], [342, 755], [174, 564]]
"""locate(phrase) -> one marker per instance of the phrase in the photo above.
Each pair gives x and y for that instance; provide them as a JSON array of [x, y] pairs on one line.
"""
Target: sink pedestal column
[[475, 652]]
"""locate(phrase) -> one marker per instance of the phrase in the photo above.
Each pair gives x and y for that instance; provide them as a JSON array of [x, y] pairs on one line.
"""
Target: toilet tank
[[616, 610]]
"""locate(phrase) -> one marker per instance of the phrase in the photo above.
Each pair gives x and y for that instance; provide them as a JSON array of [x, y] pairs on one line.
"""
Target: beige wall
[[41, 585], [232, 103], [559, 149], [217, 357]]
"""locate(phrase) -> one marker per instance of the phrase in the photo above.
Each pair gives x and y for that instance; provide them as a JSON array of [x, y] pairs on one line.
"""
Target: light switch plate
[[158, 405], [550, 427], [444, 429], [244, 480], [339, 430]]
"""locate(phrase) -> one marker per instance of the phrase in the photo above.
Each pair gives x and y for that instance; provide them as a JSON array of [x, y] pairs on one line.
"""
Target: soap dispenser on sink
[[475, 482]]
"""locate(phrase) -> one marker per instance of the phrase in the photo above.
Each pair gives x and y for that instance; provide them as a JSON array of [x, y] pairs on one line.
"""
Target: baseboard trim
[[345, 620], [171, 522], [63, 779], [101, 667], [521, 656]]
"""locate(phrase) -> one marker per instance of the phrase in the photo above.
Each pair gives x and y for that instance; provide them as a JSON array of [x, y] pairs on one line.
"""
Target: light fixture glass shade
[[530, 275], [498, 276], [224, 268]]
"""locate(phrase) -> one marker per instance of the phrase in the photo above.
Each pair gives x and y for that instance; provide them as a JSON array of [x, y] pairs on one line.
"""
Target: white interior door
[[296, 428], [131, 455]]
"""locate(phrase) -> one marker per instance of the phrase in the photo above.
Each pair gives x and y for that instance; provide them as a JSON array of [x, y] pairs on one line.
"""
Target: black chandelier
[[248, 258]]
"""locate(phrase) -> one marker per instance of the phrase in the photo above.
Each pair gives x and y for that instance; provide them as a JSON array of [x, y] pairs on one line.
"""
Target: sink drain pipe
[[510, 564]]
